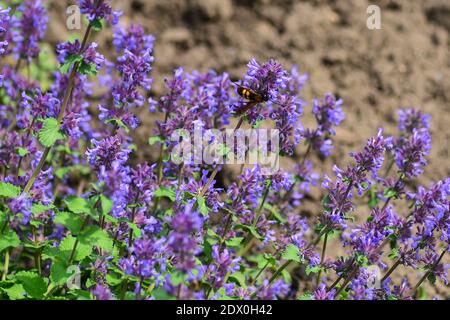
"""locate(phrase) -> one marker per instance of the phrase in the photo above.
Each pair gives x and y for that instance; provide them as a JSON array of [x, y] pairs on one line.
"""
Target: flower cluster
[[77, 189]]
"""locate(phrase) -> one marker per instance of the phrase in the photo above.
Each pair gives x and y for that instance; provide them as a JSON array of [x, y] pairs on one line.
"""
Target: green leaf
[[9, 190], [95, 236], [201, 202], [165, 192], [16, 292], [154, 139], [373, 200], [38, 208], [70, 60], [177, 277], [106, 204], [97, 24], [432, 278], [250, 229], [58, 273], [306, 296], [88, 69], [291, 253], [65, 249], [69, 220], [22, 152], [310, 269], [362, 260], [50, 132], [390, 193], [34, 284], [9, 239], [78, 204], [240, 279], [394, 254], [234, 242], [275, 213]]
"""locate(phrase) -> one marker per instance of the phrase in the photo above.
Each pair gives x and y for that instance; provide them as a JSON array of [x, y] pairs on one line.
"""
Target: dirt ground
[[405, 63]]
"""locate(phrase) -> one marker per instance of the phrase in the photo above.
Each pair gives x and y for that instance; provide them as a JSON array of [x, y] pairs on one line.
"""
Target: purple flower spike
[[29, 29], [99, 9]]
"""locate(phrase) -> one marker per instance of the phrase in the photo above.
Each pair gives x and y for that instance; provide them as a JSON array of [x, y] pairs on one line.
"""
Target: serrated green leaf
[[88, 69], [77, 204], [69, 61], [390, 193], [22, 152], [70, 220], [250, 229], [306, 296], [291, 253], [394, 254], [201, 202], [106, 204], [240, 278], [50, 132], [9, 239], [9, 190], [312, 269], [165, 192], [58, 273], [97, 24], [95, 236], [34, 284], [38, 208], [16, 292], [65, 249], [234, 242]]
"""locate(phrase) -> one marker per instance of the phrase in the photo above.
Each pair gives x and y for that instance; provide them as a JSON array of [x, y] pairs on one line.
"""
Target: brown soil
[[406, 63]]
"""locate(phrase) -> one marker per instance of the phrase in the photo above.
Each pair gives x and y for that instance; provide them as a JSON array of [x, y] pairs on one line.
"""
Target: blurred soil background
[[405, 63]]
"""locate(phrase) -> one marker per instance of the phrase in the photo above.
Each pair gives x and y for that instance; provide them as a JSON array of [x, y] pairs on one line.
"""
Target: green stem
[[61, 114], [5, 265], [322, 258], [413, 291]]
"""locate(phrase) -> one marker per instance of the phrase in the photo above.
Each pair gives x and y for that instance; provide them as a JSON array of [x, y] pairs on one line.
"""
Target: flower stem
[[5, 265], [413, 291], [322, 258], [61, 114]]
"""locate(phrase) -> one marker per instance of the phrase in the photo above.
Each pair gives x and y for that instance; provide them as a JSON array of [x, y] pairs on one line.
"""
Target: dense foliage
[[81, 219]]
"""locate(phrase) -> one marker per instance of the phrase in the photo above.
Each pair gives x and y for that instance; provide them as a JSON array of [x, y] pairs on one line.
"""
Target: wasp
[[253, 97]]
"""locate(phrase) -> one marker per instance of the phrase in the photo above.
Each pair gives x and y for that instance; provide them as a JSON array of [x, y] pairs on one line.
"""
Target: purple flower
[[29, 28], [182, 241], [272, 291], [102, 292], [322, 294], [369, 160], [266, 79], [133, 39], [99, 9], [41, 105], [328, 113], [89, 56], [410, 119], [410, 152], [134, 70], [4, 28], [106, 152], [146, 256], [21, 205]]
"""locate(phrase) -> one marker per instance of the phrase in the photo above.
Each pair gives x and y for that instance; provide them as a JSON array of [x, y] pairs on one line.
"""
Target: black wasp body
[[252, 96]]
